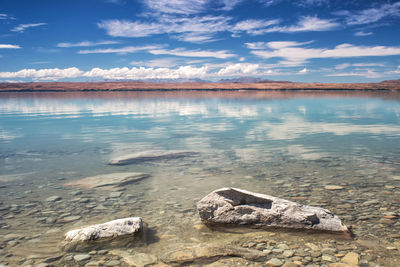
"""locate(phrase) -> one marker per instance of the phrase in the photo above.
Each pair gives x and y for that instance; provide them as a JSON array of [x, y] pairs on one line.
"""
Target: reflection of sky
[[120, 107], [292, 127], [246, 127]]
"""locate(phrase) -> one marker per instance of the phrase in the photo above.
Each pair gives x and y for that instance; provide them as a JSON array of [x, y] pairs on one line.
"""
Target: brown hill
[[393, 85]]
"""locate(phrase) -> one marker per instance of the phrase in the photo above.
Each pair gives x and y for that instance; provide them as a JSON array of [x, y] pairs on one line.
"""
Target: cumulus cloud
[[157, 69], [114, 73], [148, 73], [86, 44], [23, 27], [372, 15], [9, 46], [122, 50], [239, 69], [43, 74]]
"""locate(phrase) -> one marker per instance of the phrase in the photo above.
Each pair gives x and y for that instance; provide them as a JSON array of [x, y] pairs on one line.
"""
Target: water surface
[[290, 145]]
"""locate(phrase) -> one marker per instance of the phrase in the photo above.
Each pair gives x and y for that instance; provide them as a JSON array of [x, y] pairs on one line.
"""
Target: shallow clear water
[[290, 145]]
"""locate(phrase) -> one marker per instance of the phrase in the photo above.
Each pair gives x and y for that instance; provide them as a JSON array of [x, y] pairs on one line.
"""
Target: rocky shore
[[34, 223]]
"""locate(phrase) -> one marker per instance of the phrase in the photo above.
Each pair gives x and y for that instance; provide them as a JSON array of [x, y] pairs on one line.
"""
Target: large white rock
[[107, 181], [148, 156], [241, 207], [112, 229]]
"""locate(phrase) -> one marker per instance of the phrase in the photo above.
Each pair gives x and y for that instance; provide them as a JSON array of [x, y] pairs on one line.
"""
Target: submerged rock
[[201, 253], [149, 156], [108, 181], [241, 207], [112, 229]]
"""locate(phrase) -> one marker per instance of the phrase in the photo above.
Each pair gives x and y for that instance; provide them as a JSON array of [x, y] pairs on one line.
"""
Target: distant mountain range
[[246, 79], [391, 81], [155, 80]]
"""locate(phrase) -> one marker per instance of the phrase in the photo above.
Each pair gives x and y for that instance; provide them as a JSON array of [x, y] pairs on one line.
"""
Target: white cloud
[[43, 74], [5, 17], [114, 73], [253, 26], [347, 65], [122, 50], [9, 46], [307, 3], [159, 62], [397, 71], [189, 7], [274, 44], [194, 29], [176, 6], [342, 66], [229, 4], [303, 71], [269, 2], [23, 27], [239, 69], [148, 73], [181, 52], [362, 33], [367, 74], [373, 14], [305, 24], [299, 54], [86, 44]]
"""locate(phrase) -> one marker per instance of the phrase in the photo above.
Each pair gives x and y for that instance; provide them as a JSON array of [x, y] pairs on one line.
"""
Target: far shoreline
[[134, 86]]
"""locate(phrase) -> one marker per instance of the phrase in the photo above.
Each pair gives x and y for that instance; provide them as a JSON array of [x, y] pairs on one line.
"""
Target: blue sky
[[296, 40]]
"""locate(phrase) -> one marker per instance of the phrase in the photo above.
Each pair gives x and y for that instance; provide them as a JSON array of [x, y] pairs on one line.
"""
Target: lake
[[286, 144]]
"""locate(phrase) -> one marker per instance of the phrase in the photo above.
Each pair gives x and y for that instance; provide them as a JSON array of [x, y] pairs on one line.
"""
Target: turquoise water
[[284, 144]]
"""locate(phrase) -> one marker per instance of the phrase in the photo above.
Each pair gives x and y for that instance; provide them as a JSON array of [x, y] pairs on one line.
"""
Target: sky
[[292, 40]]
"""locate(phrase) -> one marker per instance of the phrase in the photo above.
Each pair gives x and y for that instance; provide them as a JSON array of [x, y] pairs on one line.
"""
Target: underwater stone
[[240, 207], [53, 199], [112, 229], [149, 156], [107, 181]]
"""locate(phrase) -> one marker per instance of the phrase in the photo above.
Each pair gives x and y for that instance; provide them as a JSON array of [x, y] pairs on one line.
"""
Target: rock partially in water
[[150, 156], [108, 181], [240, 207], [112, 229]]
